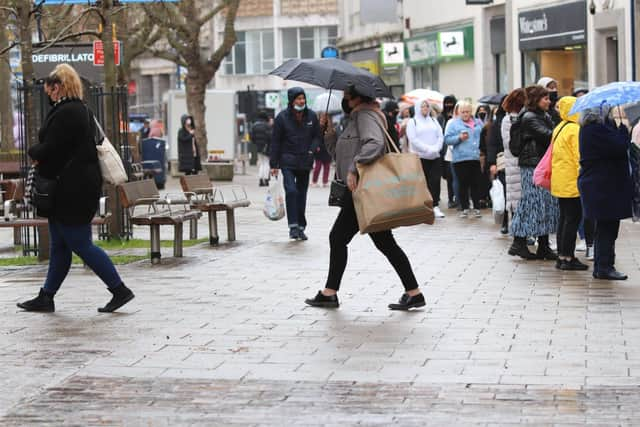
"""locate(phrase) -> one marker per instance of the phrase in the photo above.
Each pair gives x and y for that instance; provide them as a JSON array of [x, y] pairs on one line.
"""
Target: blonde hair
[[463, 104], [68, 79]]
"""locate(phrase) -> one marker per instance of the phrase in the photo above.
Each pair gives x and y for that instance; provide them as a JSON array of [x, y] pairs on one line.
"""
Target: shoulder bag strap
[[559, 131]]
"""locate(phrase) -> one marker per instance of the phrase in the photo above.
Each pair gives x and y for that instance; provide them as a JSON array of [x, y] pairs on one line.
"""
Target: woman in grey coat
[[512, 105], [362, 141]]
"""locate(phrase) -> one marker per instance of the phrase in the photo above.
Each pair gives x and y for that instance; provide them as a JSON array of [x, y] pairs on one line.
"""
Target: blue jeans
[[65, 239], [296, 184]]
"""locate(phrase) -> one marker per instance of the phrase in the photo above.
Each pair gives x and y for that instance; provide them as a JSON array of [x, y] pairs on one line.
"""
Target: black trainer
[[573, 265], [294, 233], [43, 303], [121, 296], [301, 235], [612, 275], [406, 302], [322, 300]]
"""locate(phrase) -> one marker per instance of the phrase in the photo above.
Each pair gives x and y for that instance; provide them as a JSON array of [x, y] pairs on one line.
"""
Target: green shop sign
[[442, 46]]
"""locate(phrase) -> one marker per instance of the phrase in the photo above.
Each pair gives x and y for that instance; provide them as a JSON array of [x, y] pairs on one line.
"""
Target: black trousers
[[448, 176], [588, 227], [469, 178], [345, 227], [604, 250], [433, 174], [570, 217]]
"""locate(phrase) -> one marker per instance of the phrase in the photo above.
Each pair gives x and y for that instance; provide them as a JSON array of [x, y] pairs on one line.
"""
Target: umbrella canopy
[[332, 73], [432, 96], [633, 113], [613, 94], [331, 102], [495, 99]]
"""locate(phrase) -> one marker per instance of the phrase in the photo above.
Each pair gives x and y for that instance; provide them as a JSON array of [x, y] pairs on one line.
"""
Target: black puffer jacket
[[261, 136], [535, 135], [67, 151]]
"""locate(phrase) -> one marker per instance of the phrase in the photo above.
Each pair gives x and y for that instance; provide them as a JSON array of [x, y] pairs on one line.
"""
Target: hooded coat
[[424, 135], [188, 161], [512, 170], [293, 142], [605, 184], [565, 160]]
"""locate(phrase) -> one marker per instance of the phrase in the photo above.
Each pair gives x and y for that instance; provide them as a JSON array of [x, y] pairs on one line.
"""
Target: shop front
[[384, 62], [443, 60], [553, 43]]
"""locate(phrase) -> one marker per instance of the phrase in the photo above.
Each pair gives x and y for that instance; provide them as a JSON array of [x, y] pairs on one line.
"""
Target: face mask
[[299, 107], [188, 122], [553, 96], [482, 115], [345, 106]]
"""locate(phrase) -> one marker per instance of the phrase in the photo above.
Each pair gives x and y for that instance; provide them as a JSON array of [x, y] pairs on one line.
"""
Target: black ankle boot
[[321, 300], [505, 224], [544, 252], [519, 248], [42, 303], [121, 296], [406, 302]]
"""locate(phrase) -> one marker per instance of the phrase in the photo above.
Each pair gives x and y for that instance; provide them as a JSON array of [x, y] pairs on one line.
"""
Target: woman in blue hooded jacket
[[463, 135]]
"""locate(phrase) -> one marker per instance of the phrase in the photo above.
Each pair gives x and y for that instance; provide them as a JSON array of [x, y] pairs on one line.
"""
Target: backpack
[[515, 143]]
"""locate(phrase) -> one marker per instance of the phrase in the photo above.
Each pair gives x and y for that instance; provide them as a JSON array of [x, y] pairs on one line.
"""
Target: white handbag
[[111, 165]]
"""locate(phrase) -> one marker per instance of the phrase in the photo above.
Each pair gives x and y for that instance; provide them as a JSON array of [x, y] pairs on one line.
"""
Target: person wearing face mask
[[296, 136], [538, 212], [391, 112], [448, 104], [188, 154], [426, 140], [67, 153], [361, 142], [552, 86]]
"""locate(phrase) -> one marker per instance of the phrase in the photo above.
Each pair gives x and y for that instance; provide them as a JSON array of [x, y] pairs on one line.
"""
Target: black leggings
[[469, 177], [345, 227], [570, 216], [433, 174]]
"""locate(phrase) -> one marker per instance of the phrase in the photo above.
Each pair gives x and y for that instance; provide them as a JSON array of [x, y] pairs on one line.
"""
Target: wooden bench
[[172, 210], [207, 198]]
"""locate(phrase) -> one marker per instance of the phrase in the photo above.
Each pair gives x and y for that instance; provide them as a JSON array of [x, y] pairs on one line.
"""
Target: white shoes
[[476, 213], [437, 212], [589, 253]]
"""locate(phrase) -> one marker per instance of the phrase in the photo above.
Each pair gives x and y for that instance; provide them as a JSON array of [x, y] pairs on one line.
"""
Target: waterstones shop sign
[[553, 27], [80, 57]]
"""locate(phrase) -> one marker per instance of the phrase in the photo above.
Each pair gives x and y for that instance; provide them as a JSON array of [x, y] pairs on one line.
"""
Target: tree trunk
[[6, 109], [196, 93], [25, 24]]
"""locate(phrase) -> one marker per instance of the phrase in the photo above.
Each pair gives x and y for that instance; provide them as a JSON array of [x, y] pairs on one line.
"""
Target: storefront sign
[[329, 52], [451, 44], [370, 66], [432, 48], [392, 54], [552, 27]]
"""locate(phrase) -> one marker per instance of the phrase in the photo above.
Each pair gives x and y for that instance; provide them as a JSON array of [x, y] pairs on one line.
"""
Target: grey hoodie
[[362, 140]]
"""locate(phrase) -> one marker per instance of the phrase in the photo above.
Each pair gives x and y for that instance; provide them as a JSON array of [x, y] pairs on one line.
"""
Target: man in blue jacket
[[296, 136]]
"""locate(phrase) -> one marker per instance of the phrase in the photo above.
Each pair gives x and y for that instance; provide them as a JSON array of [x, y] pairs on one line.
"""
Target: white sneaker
[[437, 212], [464, 213], [589, 253], [476, 213], [582, 246]]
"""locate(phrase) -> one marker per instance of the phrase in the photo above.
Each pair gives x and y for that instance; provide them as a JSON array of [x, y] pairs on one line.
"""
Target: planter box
[[219, 171]]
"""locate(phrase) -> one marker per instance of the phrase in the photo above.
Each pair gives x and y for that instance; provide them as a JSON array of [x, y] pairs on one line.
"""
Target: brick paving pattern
[[222, 337]]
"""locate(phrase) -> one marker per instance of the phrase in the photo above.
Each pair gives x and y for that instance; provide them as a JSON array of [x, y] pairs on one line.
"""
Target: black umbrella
[[495, 99], [331, 73]]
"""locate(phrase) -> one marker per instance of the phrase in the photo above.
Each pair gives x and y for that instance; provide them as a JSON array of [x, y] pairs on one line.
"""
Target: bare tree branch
[[8, 48], [46, 45]]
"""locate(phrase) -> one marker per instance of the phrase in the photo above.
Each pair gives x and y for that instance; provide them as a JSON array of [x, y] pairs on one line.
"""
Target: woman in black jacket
[[67, 152], [495, 146], [188, 154], [538, 212]]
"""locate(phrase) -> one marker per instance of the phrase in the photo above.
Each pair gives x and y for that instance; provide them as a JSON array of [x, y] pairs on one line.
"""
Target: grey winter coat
[[362, 141], [512, 171]]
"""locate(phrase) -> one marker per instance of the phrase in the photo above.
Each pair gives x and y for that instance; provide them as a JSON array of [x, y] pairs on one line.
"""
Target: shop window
[[567, 66], [426, 77], [502, 74], [253, 53]]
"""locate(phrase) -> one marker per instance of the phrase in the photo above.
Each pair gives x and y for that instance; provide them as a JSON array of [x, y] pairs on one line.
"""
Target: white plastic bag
[[274, 201], [497, 200]]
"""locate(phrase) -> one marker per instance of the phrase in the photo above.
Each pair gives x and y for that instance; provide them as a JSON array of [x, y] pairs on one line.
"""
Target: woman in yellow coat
[[565, 167]]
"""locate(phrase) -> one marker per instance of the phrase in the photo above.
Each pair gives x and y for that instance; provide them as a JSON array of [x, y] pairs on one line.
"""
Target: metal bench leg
[[231, 225], [155, 244], [214, 239], [177, 240], [193, 229]]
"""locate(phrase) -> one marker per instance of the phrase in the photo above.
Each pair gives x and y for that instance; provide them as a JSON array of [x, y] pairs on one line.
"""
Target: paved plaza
[[222, 336]]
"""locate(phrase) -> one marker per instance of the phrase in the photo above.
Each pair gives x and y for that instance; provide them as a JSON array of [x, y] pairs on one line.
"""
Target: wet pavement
[[222, 337]]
